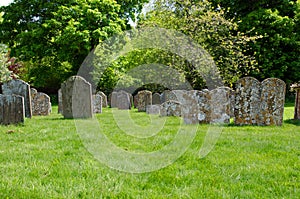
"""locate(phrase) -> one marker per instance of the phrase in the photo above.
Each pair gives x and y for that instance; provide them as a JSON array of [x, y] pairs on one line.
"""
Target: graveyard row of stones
[[18, 101], [252, 103]]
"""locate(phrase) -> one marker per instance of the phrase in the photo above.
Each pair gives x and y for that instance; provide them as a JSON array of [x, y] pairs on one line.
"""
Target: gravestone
[[113, 99], [123, 100], [220, 105], [60, 106], [153, 109], [76, 98], [296, 88], [144, 98], [19, 87], [272, 101], [203, 101], [12, 109], [170, 108], [167, 95], [135, 101], [104, 98], [156, 98], [40, 103], [247, 101], [97, 103]]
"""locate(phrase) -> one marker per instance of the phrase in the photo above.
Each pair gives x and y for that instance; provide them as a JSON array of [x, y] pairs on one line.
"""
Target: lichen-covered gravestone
[[220, 105], [123, 100], [97, 103], [167, 95], [170, 108], [104, 98], [272, 101], [19, 87], [247, 101], [156, 98], [40, 103], [76, 98], [203, 101], [144, 98], [11, 109], [296, 88]]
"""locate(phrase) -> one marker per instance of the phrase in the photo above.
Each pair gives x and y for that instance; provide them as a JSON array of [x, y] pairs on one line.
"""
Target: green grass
[[45, 158]]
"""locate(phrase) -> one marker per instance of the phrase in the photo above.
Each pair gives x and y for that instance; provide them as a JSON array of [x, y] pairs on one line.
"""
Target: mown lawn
[[45, 158]]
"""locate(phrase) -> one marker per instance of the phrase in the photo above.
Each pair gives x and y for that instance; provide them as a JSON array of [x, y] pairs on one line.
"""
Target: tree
[[54, 37], [277, 21]]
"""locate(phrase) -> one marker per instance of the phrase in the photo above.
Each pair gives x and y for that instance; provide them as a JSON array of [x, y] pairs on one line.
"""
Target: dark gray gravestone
[[11, 109], [272, 101], [144, 98], [113, 99], [76, 98], [19, 87], [123, 100], [156, 98]]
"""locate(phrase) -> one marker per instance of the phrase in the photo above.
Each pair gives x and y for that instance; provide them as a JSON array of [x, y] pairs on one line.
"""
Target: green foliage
[[5, 73], [277, 21], [50, 35]]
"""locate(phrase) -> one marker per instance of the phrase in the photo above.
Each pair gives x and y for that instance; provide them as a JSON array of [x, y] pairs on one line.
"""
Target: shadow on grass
[[292, 121]]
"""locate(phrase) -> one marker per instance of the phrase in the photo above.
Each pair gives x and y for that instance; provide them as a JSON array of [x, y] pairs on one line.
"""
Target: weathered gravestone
[[113, 99], [167, 95], [296, 88], [40, 103], [144, 98], [123, 100], [189, 105], [170, 108], [220, 105], [19, 87], [97, 103], [247, 101], [11, 109], [203, 100], [156, 98], [60, 106], [259, 103], [272, 101], [135, 101], [153, 109], [76, 98], [104, 98]]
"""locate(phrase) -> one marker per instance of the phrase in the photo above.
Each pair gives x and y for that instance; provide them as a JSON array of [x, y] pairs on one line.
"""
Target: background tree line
[[52, 38]]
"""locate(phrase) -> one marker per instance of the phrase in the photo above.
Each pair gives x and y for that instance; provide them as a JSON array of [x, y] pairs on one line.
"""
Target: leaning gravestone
[[11, 109], [220, 104], [156, 98], [123, 100], [104, 98], [170, 108], [97, 103], [19, 87], [247, 101], [77, 98], [40, 103], [60, 107], [144, 98], [272, 101]]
